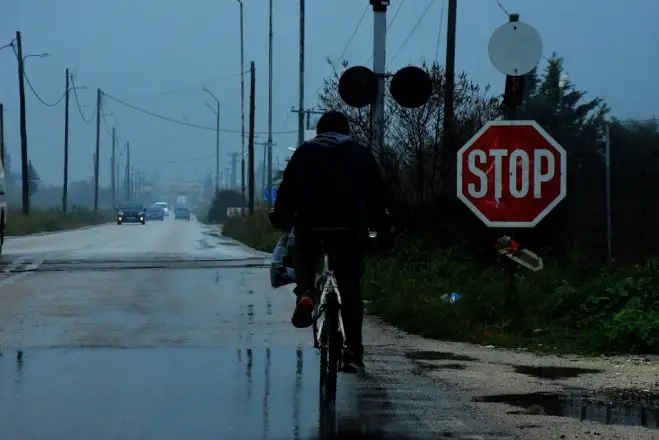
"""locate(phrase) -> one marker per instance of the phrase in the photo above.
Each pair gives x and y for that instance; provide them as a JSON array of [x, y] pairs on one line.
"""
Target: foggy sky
[[138, 49]]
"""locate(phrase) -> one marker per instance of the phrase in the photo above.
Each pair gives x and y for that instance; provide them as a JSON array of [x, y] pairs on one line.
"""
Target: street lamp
[[217, 136], [36, 55]]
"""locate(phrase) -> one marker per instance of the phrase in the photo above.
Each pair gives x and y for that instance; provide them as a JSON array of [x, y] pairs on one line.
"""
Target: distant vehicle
[[181, 212], [182, 201], [3, 205], [155, 212], [131, 212], [164, 206]]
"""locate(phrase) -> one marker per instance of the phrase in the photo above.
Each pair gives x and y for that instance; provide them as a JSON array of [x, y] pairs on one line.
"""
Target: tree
[[224, 198], [413, 157]]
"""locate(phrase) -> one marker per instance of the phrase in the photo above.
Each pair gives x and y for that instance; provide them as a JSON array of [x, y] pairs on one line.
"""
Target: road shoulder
[[474, 371]]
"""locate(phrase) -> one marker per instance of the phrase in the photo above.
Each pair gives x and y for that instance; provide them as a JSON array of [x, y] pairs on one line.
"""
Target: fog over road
[[168, 331]]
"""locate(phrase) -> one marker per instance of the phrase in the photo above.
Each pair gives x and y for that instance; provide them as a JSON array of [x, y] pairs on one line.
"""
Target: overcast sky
[[136, 50]]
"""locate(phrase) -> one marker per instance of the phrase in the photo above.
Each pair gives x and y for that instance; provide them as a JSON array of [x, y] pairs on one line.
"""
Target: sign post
[[512, 173]]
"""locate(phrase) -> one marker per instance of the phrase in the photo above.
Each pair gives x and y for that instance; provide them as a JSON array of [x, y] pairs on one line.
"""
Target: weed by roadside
[[563, 308], [53, 220], [256, 232]]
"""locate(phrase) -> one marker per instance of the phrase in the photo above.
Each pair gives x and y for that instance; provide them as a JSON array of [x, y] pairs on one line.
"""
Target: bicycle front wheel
[[330, 354]]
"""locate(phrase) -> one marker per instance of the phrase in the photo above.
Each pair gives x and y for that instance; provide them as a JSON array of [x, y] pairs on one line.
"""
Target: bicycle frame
[[330, 291]]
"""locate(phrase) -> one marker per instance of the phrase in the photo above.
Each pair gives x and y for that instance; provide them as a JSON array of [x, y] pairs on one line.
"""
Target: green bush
[[53, 220], [255, 231], [223, 199]]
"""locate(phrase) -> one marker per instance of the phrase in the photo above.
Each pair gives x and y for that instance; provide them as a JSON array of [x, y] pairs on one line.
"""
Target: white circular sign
[[515, 48]]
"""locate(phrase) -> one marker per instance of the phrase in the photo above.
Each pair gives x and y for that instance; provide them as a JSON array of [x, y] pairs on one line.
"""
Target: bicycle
[[329, 334], [328, 329]]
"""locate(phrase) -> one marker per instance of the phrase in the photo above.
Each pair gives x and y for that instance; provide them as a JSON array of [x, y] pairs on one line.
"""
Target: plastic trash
[[281, 267], [451, 298]]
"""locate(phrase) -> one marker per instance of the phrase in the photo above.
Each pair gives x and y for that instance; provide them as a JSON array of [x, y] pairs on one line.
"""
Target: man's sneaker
[[352, 362], [303, 314]]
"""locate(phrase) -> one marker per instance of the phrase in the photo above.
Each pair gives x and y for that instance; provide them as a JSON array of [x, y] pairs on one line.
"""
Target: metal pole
[[242, 108], [607, 158], [447, 134], [379, 66], [252, 105], [300, 115], [2, 134], [217, 147], [65, 186], [128, 182], [269, 201], [112, 167], [98, 146]]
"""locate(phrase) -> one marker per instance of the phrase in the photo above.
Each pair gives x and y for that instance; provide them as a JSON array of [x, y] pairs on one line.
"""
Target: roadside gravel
[[491, 371]]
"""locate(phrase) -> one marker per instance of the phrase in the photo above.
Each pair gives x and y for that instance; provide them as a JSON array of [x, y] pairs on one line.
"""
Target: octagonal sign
[[511, 174]]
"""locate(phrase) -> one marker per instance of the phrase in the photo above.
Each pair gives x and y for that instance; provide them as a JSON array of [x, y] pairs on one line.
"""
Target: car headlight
[[120, 214]]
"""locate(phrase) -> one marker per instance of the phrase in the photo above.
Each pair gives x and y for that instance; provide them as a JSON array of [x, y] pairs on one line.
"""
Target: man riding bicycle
[[331, 183]]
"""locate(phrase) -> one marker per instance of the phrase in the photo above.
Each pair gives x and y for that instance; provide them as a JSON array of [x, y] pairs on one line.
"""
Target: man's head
[[333, 121]]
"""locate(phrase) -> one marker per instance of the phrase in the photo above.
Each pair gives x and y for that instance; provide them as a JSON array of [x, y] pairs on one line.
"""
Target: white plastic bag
[[281, 270]]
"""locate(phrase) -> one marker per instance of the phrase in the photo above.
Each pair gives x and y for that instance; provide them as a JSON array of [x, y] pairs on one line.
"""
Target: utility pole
[[300, 115], [2, 134], [264, 181], [21, 91], [112, 167], [117, 196], [447, 134], [252, 109], [98, 146], [269, 204], [242, 109], [308, 113], [65, 186], [607, 158], [379, 66], [128, 192], [228, 174], [234, 166], [217, 146]]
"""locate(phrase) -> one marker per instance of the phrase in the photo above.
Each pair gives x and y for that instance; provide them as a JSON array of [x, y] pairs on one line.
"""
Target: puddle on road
[[436, 356], [553, 373], [578, 407], [424, 366]]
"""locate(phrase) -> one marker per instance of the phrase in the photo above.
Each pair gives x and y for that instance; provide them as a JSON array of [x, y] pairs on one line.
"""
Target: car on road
[[155, 212], [181, 212], [164, 206], [131, 212]]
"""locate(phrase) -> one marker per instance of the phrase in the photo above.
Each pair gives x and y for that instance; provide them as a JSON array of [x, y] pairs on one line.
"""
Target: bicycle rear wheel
[[330, 353]]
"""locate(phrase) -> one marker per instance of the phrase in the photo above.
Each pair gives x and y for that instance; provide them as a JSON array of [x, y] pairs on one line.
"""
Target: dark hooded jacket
[[331, 181]]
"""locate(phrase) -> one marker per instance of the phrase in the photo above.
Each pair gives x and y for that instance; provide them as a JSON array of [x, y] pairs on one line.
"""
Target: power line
[[354, 32], [505, 11], [439, 34], [34, 92], [345, 49], [191, 159], [75, 93], [416, 26], [187, 124]]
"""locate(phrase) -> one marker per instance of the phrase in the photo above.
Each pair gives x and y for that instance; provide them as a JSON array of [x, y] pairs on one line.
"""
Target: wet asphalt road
[[166, 331]]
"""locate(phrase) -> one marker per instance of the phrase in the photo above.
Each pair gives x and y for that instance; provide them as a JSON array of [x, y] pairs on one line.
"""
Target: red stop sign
[[511, 174]]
